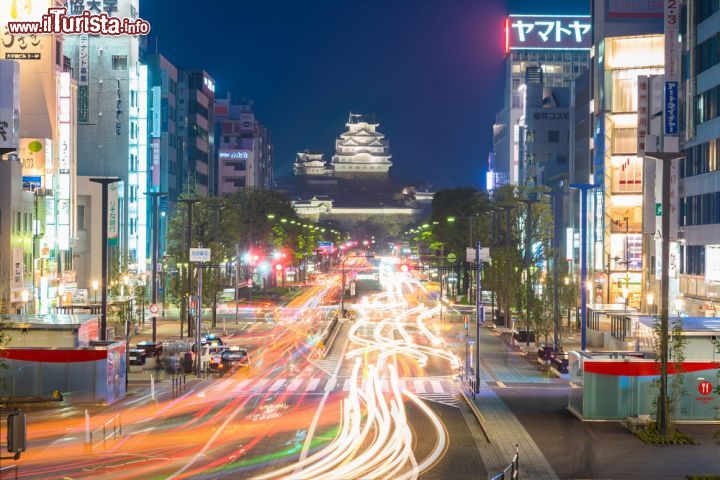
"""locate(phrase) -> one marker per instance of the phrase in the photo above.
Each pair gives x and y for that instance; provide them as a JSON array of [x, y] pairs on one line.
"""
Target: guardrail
[[110, 429], [512, 471], [9, 468]]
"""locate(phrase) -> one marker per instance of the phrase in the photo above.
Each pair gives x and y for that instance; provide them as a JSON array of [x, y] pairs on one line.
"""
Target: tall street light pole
[[528, 260], [584, 189], [105, 183], [155, 236], [667, 158], [189, 202], [479, 316]]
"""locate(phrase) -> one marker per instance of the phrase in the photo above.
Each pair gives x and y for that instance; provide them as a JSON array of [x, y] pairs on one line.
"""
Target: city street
[[382, 403]]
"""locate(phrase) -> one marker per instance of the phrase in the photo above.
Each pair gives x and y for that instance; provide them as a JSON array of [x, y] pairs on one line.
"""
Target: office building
[[560, 46], [244, 148]]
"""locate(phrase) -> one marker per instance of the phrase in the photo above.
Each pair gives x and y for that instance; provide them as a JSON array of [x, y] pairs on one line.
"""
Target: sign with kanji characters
[[113, 213], [643, 122], [9, 107], [523, 32], [17, 270]]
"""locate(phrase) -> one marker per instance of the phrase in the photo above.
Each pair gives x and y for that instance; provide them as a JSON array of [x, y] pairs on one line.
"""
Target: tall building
[[163, 129], [544, 132], [361, 151], [699, 172], [196, 124], [48, 149], [113, 125], [628, 44], [244, 148], [560, 46], [16, 205]]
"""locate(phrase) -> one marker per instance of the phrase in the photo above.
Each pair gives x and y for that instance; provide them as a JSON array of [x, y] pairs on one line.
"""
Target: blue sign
[[671, 108], [32, 183]]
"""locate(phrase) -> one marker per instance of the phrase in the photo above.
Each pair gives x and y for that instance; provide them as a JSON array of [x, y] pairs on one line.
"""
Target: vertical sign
[[712, 264], [17, 267], [83, 79], [672, 64], [64, 193], [156, 162], [674, 200], [156, 112], [643, 116], [113, 213]]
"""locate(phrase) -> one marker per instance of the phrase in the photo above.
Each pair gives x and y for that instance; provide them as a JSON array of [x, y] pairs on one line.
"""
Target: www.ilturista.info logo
[[57, 21]]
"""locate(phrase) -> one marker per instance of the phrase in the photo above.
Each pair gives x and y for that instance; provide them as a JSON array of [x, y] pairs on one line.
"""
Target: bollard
[[152, 387], [87, 427]]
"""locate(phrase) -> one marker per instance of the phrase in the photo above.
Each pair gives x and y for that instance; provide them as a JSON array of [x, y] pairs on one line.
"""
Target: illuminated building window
[[624, 140], [635, 52], [119, 62]]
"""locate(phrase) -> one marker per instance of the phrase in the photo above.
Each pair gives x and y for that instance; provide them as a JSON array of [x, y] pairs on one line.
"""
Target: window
[[700, 209], [119, 62], [553, 136], [624, 140], [58, 54], [700, 159], [81, 218], [706, 8], [707, 105], [707, 54], [624, 94], [530, 136], [692, 259]]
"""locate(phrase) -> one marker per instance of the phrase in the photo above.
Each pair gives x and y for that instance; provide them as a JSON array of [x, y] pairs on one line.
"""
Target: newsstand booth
[[618, 386]]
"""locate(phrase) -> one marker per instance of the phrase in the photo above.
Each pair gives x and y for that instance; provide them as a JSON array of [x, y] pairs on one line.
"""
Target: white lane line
[[294, 385], [419, 386], [330, 385], [436, 386], [346, 385], [312, 385], [276, 386]]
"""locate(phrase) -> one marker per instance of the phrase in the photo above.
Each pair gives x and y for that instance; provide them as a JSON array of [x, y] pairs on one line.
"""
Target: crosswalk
[[437, 389]]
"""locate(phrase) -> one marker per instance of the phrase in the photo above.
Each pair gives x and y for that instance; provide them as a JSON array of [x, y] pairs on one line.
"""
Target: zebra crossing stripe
[[312, 385], [419, 386], [436, 386], [276, 386], [260, 384], [294, 385], [240, 385]]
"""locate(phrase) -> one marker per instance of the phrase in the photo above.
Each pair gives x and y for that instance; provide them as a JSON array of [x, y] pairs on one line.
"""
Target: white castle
[[360, 152]]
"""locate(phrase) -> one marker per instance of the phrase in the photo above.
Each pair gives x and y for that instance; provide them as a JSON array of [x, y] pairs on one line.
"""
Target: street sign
[[451, 258], [705, 387], [199, 255], [154, 308], [470, 254]]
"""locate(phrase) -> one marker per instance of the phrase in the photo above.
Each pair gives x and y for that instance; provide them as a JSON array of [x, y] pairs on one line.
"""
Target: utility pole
[[528, 260], [105, 183], [480, 316], [189, 202], [584, 189], [198, 316], [155, 235]]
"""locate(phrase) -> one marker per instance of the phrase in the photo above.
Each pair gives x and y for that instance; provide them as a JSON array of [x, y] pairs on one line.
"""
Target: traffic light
[[279, 267], [404, 268], [16, 434]]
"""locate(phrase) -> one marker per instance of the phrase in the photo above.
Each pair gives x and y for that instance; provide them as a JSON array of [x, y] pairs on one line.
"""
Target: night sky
[[431, 70]]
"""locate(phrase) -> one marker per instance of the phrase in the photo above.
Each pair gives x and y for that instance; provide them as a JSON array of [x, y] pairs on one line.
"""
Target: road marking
[[260, 384], [330, 385], [240, 385], [312, 385], [500, 384], [276, 386], [346, 385], [419, 386], [436, 386], [384, 386], [294, 385]]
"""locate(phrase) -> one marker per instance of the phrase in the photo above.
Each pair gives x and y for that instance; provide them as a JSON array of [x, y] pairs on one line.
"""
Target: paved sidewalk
[[502, 366]]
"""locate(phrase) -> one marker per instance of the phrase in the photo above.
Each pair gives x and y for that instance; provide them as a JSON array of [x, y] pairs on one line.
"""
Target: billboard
[[634, 9], [548, 32]]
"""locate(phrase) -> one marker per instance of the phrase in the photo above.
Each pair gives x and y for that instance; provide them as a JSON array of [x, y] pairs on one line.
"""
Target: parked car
[[151, 349], [137, 356]]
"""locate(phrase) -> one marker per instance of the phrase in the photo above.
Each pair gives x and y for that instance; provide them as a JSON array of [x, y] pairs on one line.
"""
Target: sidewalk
[[502, 367]]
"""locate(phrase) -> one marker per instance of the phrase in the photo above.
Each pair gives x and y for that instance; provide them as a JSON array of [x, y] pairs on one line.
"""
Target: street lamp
[[650, 300], [95, 286]]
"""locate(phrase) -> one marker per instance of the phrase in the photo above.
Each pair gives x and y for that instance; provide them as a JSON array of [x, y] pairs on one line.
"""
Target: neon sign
[[556, 32]]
